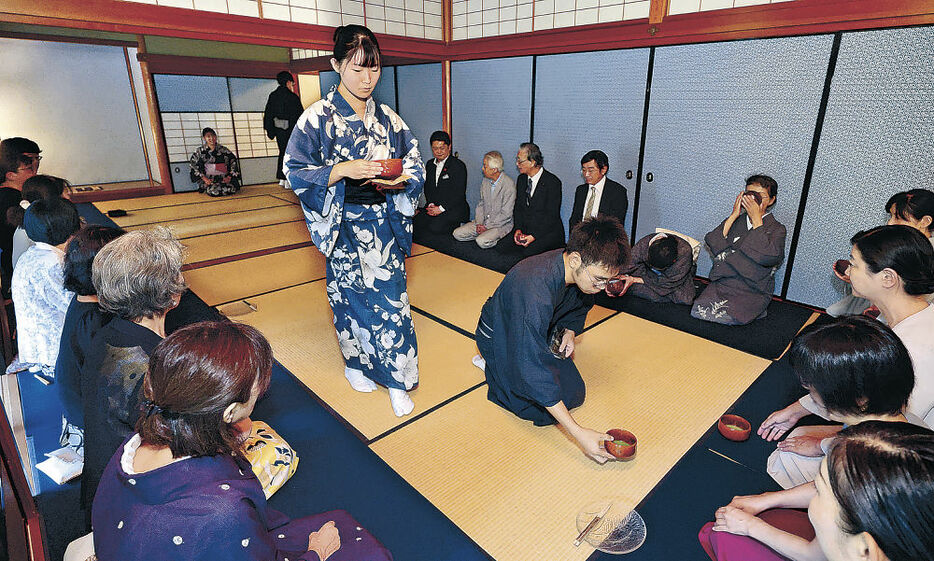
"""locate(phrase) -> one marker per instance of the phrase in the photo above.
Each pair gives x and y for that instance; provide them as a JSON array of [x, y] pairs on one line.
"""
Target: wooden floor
[[497, 477]]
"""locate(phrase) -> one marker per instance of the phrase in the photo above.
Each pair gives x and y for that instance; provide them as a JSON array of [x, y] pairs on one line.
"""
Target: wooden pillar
[[155, 121], [658, 9]]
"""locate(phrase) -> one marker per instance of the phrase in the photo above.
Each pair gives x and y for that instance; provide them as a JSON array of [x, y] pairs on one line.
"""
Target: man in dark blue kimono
[[540, 296]]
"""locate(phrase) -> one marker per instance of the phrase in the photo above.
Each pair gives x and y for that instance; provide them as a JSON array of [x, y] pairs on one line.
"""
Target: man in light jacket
[[493, 218]]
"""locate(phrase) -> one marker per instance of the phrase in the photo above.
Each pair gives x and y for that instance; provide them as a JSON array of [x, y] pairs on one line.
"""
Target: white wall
[[74, 100]]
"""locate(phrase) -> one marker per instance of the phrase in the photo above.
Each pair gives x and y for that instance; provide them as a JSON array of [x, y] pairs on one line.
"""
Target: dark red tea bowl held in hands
[[841, 266], [623, 445], [391, 168], [734, 427], [614, 287], [755, 195]]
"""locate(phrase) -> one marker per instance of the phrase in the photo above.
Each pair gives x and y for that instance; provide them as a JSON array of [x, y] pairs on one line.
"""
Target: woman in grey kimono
[[746, 253], [214, 167], [364, 230]]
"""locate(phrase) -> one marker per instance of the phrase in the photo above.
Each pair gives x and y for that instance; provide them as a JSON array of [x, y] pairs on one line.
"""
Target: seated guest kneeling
[[746, 253], [539, 303], [214, 167], [858, 370], [445, 189], [872, 501], [536, 214], [35, 188], [493, 218], [84, 317], [600, 195], [185, 468], [39, 295], [893, 268], [662, 270], [138, 278]]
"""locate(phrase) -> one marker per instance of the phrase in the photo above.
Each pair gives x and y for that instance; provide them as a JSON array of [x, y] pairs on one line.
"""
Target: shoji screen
[[258, 155], [723, 111], [590, 101], [491, 103], [877, 139], [233, 107], [420, 102], [74, 100]]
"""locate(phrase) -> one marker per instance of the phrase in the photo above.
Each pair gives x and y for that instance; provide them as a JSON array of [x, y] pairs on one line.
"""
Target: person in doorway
[[283, 108]]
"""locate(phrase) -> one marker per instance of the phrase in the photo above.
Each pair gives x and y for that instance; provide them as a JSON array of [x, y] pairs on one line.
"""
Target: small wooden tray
[[397, 183]]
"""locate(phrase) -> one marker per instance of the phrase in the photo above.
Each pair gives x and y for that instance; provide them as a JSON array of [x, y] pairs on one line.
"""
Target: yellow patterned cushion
[[272, 458]]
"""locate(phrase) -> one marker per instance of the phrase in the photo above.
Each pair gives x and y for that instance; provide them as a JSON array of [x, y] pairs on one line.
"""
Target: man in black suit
[[446, 205], [600, 195], [536, 215], [283, 108]]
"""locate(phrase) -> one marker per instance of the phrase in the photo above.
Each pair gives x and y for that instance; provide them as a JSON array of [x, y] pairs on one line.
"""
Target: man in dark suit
[[536, 215], [283, 108], [446, 205], [600, 195]]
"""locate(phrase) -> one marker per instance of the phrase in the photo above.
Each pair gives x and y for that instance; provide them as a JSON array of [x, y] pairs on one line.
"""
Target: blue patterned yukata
[[365, 244]]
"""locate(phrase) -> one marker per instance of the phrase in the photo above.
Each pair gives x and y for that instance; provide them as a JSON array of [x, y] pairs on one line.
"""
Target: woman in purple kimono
[[180, 488], [746, 253], [364, 230]]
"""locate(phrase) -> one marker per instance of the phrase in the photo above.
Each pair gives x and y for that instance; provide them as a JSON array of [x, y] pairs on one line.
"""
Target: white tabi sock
[[478, 361], [358, 381], [402, 404]]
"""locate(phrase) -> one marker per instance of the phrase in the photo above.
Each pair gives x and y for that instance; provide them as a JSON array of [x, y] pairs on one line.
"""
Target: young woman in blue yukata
[[363, 229]]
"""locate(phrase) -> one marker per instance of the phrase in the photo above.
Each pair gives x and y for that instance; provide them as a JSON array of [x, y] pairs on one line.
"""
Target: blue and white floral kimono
[[365, 244]]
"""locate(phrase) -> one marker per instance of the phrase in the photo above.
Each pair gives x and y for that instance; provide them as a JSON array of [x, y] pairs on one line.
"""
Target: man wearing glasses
[[526, 331], [600, 194], [19, 160], [536, 215]]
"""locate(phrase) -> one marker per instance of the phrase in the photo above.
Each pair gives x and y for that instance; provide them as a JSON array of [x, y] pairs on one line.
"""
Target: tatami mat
[[211, 207], [299, 325], [215, 246], [185, 198], [240, 279], [455, 290], [516, 488], [235, 220], [227, 282], [286, 195]]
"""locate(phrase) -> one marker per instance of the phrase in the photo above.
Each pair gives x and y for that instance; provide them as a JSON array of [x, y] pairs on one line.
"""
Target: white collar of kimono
[[129, 455], [749, 222], [344, 108], [52, 248]]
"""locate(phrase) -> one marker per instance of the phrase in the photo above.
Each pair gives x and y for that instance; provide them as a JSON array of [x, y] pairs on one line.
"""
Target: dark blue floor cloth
[[684, 500], [767, 337], [92, 215], [775, 389], [338, 471], [467, 251]]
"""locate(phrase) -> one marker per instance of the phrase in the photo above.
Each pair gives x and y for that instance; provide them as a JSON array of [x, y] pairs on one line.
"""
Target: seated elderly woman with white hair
[[138, 278], [493, 218]]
